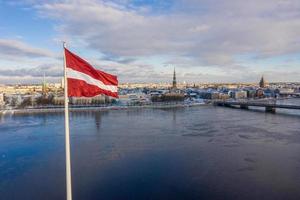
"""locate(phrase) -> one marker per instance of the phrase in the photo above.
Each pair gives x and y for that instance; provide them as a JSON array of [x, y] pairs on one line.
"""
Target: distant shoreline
[[95, 108]]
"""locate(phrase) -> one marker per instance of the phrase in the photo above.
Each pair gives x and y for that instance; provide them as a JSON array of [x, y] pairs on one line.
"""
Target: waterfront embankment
[[59, 109]]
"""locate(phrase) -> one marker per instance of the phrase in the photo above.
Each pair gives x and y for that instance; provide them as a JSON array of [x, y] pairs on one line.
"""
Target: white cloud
[[50, 70], [214, 36], [16, 48]]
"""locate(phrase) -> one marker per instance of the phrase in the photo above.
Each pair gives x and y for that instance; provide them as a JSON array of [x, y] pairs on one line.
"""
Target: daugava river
[[203, 152]]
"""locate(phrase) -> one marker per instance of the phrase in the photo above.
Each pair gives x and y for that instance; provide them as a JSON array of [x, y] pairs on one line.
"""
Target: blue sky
[[142, 40]]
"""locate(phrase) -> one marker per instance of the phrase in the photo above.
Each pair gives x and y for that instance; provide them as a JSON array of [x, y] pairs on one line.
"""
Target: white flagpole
[[67, 133]]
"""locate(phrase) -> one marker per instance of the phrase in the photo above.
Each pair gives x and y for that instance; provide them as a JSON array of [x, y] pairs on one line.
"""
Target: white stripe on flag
[[90, 80]]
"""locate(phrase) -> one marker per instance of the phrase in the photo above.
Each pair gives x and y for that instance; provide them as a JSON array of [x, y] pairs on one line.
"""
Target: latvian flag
[[86, 81]]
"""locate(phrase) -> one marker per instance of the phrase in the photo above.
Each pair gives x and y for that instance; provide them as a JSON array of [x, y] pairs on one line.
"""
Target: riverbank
[[95, 108]]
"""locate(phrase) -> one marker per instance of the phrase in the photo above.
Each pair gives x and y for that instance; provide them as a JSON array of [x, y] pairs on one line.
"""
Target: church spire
[[262, 82], [174, 85], [44, 85]]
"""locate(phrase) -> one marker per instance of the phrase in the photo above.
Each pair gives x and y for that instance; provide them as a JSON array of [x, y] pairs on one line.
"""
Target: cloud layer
[[15, 48], [212, 32], [139, 39], [48, 70]]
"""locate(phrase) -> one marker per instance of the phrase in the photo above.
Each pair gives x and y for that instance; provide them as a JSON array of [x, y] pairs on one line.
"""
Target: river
[[200, 152]]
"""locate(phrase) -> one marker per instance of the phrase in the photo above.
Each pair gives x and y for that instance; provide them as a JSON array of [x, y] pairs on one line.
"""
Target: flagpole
[[67, 132]]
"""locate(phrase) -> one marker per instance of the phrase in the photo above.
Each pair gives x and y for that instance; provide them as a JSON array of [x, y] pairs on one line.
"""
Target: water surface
[[183, 153]]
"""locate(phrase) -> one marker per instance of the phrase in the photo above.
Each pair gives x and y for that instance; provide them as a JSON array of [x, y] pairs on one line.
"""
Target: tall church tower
[[44, 85], [174, 85], [262, 82]]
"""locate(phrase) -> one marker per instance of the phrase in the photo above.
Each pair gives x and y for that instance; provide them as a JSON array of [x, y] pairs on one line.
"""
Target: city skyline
[[142, 41]]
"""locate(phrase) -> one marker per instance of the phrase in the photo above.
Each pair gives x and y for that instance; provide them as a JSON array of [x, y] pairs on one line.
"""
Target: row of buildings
[[52, 94]]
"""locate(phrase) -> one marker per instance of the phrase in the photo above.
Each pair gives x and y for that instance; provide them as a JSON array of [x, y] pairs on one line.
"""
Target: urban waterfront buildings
[[21, 96]]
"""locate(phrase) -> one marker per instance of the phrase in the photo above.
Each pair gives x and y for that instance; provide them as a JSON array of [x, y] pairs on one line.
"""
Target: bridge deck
[[257, 104]]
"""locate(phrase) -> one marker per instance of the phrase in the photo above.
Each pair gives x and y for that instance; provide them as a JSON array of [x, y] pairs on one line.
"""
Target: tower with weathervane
[[44, 86], [174, 84], [262, 82]]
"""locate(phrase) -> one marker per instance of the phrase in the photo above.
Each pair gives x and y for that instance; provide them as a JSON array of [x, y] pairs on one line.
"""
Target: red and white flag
[[86, 81]]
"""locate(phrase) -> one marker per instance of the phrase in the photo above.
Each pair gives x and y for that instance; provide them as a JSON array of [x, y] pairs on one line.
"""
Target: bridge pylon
[[270, 109]]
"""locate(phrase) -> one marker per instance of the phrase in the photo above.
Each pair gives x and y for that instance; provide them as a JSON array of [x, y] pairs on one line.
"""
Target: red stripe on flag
[[75, 62], [86, 90]]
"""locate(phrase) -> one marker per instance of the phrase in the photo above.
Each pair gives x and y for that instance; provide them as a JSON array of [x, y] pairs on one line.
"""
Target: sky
[[207, 41]]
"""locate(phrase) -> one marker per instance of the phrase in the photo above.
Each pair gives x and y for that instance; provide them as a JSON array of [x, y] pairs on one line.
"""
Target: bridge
[[292, 94], [270, 105]]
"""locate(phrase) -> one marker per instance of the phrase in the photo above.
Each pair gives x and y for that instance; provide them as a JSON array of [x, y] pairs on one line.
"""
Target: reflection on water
[[98, 120], [184, 153]]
